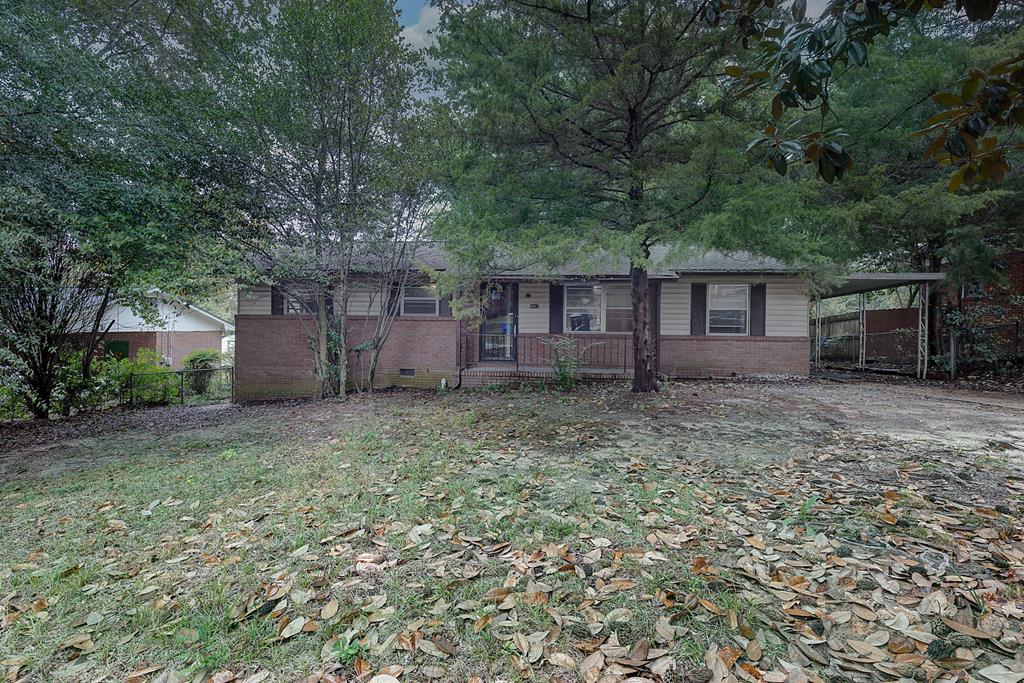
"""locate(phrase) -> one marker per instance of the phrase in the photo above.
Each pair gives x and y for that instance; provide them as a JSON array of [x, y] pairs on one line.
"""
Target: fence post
[[1016, 337], [131, 389], [181, 376], [952, 353]]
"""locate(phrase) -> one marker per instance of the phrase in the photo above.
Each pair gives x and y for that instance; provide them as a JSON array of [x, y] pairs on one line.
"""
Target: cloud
[[418, 35]]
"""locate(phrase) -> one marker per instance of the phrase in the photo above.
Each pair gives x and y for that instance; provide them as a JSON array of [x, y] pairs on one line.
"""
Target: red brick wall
[[136, 340], [429, 346], [177, 345], [273, 358], [174, 344], [724, 356]]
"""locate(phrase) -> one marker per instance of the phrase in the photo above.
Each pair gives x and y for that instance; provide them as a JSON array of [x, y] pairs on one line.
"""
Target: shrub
[[204, 361], [565, 360], [144, 379]]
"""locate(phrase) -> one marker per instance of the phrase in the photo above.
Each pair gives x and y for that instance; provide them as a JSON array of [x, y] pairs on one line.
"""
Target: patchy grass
[[502, 534]]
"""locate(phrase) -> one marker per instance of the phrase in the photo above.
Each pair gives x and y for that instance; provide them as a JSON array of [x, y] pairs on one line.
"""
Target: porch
[[529, 356]]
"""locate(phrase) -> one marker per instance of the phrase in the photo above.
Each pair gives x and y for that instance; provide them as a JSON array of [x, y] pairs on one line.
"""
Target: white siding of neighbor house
[[786, 309], [675, 308], [364, 302], [534, 320], [785, 305], [171, 317], [254, 301]]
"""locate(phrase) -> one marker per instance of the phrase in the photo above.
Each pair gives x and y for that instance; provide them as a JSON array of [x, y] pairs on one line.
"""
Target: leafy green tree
[[97, 204], [588, 129], [802, 62], [316, 105]]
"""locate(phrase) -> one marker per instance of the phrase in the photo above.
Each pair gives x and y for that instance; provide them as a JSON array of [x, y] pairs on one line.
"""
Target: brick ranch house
[[179, 329], [717, 315]]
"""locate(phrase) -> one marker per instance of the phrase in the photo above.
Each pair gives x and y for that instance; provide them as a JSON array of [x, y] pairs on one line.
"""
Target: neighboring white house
[[179, 329]]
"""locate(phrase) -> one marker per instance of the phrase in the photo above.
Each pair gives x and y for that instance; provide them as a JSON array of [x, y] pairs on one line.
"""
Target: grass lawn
[[764, 532]]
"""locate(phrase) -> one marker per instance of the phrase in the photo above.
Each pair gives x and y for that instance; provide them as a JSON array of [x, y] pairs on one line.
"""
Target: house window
[[728, 307], [598, 308], [583, 306], [419, 300], [618, 309], [300, 299]]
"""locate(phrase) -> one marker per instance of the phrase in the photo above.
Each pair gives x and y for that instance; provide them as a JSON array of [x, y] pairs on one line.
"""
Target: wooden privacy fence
[[164, 387]]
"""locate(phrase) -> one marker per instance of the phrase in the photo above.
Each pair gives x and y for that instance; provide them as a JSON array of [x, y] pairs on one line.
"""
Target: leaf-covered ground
[[777, 532]]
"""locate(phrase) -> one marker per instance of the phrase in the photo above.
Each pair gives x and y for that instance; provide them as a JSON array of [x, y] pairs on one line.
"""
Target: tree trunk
[[339, 301], [371, 372], [645, 372], [322, 354]]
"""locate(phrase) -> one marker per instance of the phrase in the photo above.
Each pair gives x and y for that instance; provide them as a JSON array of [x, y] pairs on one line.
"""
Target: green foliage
[[801, 63], [347, 651], [566, 360], [317, 124], [143, 380], [84, 222], [985, 335], [202, 362]]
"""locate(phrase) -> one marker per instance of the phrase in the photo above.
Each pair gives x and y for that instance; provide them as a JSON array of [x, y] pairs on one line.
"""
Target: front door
[[498, 330]]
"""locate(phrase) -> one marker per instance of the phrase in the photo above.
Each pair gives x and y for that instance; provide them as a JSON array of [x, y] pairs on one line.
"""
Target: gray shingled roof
[[433, 256]]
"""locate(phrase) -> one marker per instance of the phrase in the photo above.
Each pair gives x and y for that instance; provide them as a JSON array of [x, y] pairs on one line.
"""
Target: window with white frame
[[618, 308], [598, 308], [728, 308], [419, 300]]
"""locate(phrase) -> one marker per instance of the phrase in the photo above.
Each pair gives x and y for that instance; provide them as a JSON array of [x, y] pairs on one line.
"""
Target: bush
[[149, 381], [202, 360], [12, 404], [141, 380], [565, 360]]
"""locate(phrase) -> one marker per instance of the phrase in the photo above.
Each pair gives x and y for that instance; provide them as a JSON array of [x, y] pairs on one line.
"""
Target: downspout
[[461, 354]]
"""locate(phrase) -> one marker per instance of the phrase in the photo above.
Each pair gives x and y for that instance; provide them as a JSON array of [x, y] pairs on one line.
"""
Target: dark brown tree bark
[[645, 372]]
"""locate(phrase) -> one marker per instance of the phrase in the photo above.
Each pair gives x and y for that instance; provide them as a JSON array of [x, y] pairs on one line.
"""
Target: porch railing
[[594, 351]]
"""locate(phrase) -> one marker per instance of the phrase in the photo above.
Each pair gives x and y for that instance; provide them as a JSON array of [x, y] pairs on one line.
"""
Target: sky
[[418, 17]]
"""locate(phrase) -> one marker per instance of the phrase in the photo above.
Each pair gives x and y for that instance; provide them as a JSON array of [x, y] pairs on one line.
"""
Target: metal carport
[[861, 284]]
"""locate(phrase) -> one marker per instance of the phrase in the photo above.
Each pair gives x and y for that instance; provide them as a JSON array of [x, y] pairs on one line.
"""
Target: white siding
[[364, 302], [675, 308], [785, 304], [534, 320], [254, 301], [170, 318], [786, 309]]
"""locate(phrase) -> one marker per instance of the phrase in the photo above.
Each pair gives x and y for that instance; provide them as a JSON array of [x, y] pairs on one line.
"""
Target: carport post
[[817, 333], [862, 330], [922, 331]]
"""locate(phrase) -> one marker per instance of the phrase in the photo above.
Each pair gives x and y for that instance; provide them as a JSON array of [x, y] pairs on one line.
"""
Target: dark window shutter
[[698, 309], [393, 304], [555, 309], [444, 307], [329, 300], [276, 301], [758, 296]]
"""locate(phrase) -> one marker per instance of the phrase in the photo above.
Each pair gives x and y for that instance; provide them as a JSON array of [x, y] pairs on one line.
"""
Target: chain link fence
[[187, 387]]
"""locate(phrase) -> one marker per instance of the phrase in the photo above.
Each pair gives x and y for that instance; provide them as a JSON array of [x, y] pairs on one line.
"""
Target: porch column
[[862, 330], [922, 331], [817, 333]]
